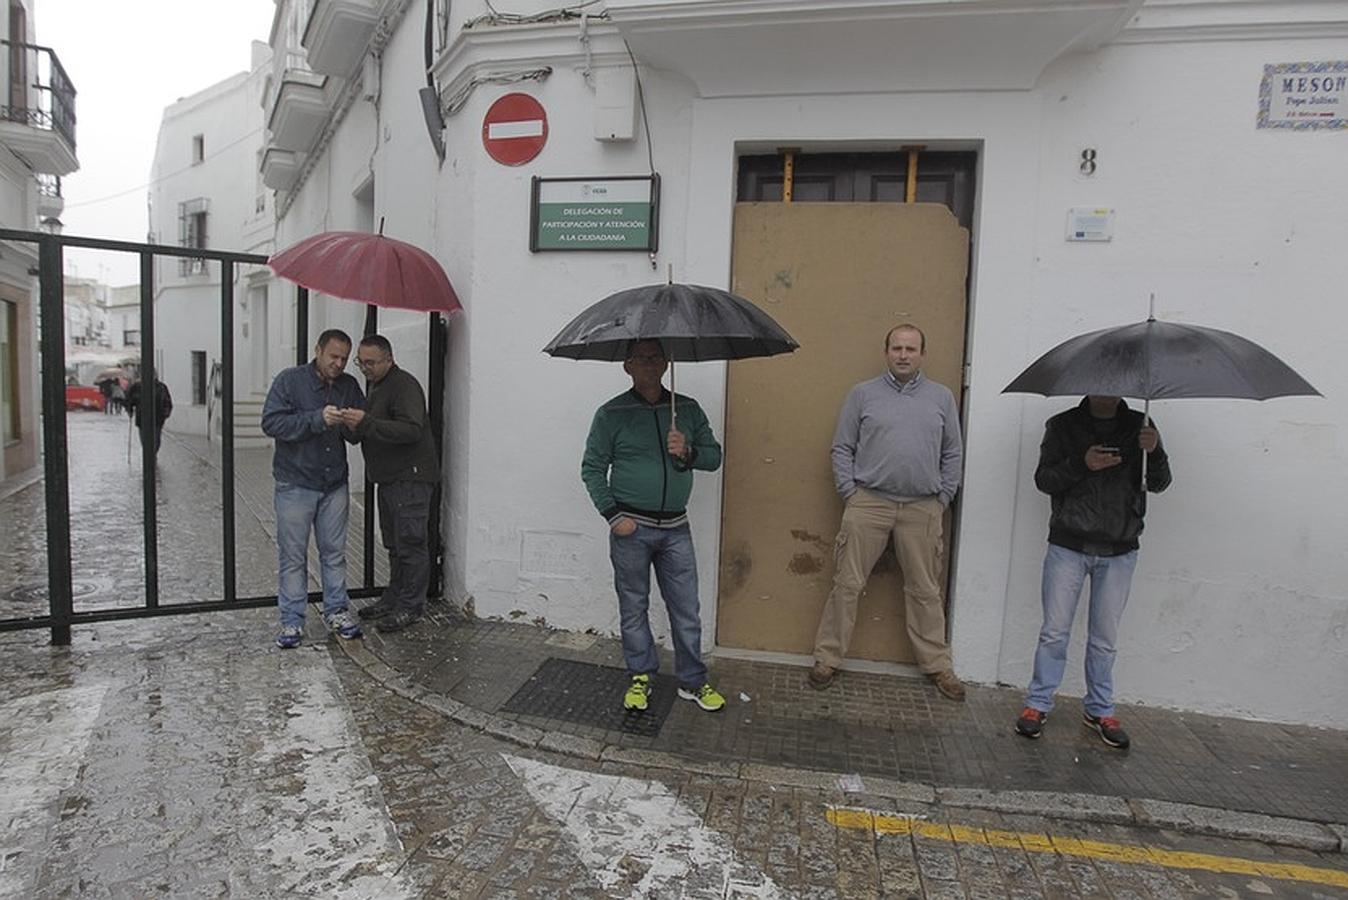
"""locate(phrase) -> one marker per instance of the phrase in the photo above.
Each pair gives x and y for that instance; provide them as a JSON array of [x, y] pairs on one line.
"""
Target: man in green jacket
[[395, 436], [638, 469]]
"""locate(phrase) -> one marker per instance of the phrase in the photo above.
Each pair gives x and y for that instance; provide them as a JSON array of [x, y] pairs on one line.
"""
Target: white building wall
[[18, 210], [187, 306], [1228, 225], [1238, 603]]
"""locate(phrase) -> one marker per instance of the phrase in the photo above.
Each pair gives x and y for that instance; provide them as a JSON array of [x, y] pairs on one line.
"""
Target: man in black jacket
[[162, 410], [394, 432], [1090, 463]]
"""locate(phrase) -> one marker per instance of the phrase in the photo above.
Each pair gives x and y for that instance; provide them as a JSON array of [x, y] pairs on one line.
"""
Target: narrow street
[[190, 758], [107, 532]]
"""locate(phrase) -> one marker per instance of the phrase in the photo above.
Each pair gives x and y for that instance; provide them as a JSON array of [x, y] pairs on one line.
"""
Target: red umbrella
[[369, 268]]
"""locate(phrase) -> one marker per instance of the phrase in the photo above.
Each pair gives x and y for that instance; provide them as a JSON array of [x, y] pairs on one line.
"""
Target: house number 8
[[1088, 162]]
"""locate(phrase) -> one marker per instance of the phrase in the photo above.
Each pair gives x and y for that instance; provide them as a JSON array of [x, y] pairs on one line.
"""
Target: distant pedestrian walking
[[303, 413], [105, 388], [395, 436], [1090, 463], [163, 408]]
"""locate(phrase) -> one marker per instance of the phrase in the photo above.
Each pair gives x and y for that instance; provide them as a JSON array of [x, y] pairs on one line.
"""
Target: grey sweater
[[899, 441]]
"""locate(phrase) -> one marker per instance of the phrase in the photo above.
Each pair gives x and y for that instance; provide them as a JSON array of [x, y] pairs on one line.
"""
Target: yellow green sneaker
[[637, 692], [705, 697]]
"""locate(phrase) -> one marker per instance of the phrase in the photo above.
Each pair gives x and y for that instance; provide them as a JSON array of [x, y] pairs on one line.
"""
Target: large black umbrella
[[1154, 360], [692, 322]]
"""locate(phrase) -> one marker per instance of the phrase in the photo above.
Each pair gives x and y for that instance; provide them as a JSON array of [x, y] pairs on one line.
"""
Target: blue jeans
[[1065, 572], [670, 551], [297, 511]]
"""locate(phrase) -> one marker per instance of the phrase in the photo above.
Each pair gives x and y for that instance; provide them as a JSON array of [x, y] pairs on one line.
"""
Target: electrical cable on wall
[[645, 121], [456, 103], [496, 17], [430, 95]]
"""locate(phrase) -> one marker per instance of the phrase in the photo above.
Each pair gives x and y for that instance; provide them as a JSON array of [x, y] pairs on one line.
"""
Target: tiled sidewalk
[[899, 728]]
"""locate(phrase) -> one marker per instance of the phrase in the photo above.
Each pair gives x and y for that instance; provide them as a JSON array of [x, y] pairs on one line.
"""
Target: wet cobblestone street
[[187, 756], [190, 758]]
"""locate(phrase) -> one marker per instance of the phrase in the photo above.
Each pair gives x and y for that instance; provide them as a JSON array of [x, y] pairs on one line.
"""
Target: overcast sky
[[128, 61]]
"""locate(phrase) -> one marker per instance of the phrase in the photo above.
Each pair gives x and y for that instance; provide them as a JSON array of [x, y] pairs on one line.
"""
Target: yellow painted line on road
[[1030, 842]]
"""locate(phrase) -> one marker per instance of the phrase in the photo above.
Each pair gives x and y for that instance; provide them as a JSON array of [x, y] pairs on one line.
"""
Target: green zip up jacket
[[627, 469]]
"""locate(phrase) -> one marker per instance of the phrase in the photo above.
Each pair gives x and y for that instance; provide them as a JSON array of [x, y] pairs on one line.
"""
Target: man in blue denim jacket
[[303, 414]]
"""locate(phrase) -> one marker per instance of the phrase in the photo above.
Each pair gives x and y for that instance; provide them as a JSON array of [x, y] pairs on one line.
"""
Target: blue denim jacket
[[309, 453]]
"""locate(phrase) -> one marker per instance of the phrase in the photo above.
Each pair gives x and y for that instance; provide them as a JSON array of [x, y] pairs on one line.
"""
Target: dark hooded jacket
[[1099, 513]]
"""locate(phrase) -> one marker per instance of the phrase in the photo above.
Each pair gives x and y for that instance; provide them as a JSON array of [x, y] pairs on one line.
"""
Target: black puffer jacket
[[1099, 513]]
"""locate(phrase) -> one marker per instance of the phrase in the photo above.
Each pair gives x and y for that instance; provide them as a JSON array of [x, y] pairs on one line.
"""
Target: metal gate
[[51, 319]]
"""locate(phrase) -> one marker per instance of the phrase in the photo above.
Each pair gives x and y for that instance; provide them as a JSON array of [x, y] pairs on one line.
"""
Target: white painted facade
[[1229, 225], [206, 161], [123, 316], [30, 148]]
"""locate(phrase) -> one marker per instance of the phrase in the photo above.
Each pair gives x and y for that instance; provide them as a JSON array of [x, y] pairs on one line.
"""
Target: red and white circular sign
[[515, 129]]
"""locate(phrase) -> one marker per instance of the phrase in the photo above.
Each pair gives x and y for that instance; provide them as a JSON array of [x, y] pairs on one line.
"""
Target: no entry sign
[[514, 129]]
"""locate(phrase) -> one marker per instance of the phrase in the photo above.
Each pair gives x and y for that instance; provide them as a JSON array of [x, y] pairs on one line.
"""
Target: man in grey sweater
[[395, 435], [896, 463]]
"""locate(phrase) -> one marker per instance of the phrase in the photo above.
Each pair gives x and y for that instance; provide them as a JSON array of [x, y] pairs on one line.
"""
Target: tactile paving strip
[[587, 694]]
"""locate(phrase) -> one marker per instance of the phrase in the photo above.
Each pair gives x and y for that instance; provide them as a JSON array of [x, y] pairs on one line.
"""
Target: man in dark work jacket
[[394, 432], [1090, 463]]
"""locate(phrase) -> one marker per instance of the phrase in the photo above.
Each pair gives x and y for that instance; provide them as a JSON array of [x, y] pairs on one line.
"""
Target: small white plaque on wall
[[553, 554], [1090, 223]]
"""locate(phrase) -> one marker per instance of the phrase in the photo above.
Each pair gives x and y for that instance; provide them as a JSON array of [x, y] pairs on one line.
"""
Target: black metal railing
[[40, 92], [56, 462]]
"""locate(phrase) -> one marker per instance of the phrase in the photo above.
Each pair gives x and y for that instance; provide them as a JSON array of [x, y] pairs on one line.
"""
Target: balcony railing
[[40, 92], [50, 203], [48, 185]]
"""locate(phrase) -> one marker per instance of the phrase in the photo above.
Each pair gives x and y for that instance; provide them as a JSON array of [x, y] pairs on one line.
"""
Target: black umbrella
[[692, 322], [1154, 360]]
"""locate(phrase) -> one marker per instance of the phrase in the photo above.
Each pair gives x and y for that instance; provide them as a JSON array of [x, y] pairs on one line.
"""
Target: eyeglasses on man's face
[[364, 364], [647, 357]]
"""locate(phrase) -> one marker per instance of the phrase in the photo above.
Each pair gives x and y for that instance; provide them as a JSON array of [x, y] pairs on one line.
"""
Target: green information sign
[[595, 213]]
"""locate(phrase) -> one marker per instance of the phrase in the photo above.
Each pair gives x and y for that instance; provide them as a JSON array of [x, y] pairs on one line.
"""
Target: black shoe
[[376, 610], [1031, 722], [397, 621], [1109, 729], [821, 676]]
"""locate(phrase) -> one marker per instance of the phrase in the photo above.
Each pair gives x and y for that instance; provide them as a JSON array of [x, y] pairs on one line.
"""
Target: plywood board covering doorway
[[837, 276]]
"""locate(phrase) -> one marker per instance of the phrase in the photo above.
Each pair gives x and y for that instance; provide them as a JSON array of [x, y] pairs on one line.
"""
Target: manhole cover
[[587, 694]]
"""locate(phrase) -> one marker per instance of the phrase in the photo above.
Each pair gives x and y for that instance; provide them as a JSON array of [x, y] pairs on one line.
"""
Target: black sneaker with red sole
[[1109, 729], [1031, 723]]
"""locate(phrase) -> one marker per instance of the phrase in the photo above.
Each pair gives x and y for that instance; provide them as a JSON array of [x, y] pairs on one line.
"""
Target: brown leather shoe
[[950, 687], [821, 676]]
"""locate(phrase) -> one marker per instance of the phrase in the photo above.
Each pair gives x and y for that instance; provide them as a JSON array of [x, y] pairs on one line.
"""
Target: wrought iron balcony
[[37, 120]]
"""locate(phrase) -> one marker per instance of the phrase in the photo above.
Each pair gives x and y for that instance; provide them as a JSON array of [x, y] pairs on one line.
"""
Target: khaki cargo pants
[[867, 523]]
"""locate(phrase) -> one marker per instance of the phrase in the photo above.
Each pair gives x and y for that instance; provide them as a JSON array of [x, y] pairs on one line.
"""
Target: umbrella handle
[[673, 411], [1146, 420]]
